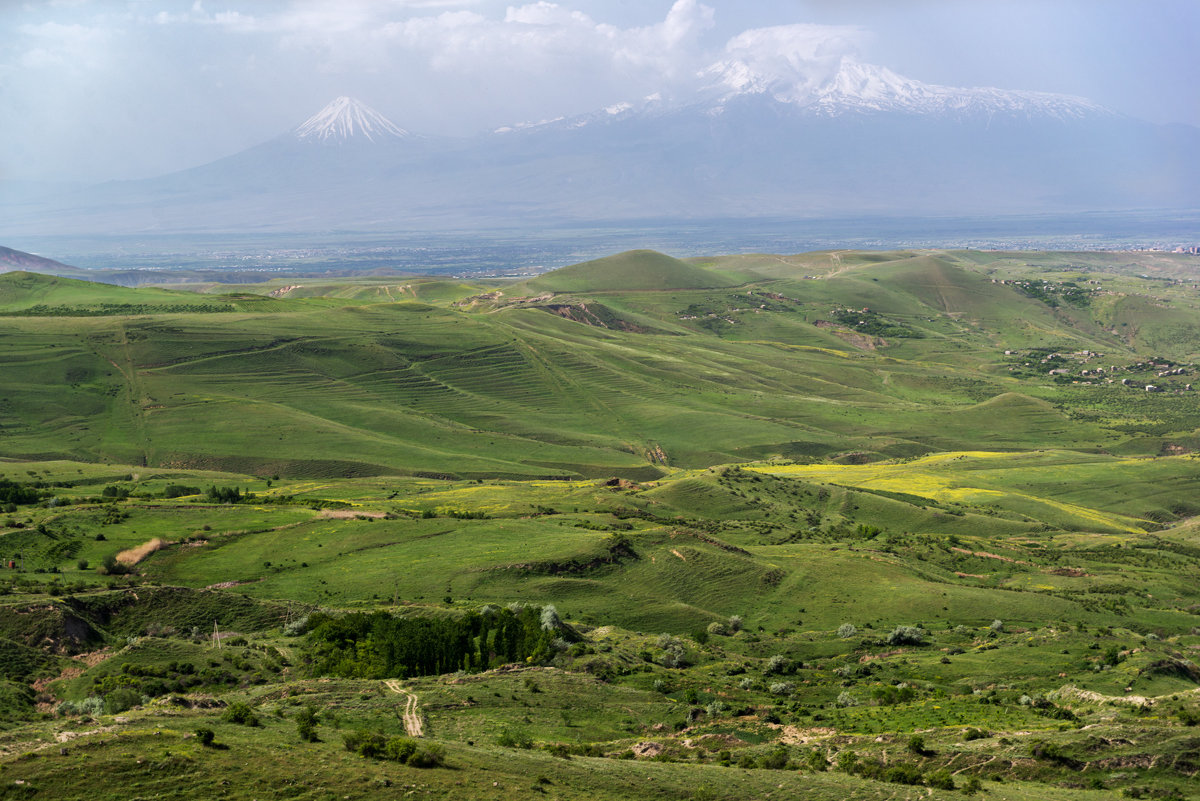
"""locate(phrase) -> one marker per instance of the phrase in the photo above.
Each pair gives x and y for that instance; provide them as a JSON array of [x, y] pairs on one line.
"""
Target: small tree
[[846, 630], [550, 619], [306, 724]]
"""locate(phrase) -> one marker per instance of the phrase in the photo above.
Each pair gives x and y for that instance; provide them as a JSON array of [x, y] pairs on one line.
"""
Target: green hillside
[[832, 525], [35, 295], [632, 270]]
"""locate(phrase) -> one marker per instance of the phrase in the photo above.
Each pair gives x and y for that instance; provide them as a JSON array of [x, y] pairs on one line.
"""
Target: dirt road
[[412, 712]]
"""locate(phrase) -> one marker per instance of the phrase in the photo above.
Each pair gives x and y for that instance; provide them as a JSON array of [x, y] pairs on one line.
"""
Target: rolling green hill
[[632, 270], [832, 525], [680, 377]]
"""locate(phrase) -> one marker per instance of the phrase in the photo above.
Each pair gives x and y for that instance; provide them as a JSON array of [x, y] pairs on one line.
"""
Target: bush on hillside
[[241, 714], [906, 635]]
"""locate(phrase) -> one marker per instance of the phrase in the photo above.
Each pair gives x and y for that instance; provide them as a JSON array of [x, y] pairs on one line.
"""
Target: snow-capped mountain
[[852, 88], [345, 119], [858, 87], [850, 140]]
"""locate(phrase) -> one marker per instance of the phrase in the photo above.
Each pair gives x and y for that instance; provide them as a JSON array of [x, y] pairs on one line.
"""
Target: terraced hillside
[[891, 356]]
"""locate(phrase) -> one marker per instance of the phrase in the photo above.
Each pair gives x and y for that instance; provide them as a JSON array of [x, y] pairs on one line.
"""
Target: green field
[[831, 525]]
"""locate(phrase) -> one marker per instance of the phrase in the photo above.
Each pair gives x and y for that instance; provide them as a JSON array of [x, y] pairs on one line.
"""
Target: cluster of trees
[[14, 493], [227, 495], [379, 645], [122, 309], [869, 322]]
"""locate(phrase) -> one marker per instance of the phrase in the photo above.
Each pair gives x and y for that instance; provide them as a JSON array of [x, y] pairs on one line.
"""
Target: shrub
[[718, 628], [111, 567], [889, 694], [429, 755], [400, 749], [815, 761], [846, 699], [997, 626], [205, 736], [241, 714], [777, 664], [1053, 752], [846, 630], [903, 774], [735, 623], [940, 779], [916, 744], [514, 738], [781, 688], [906, 635], [92, 706], [775, 759], [307, 730], [121, 699], [364, 743]]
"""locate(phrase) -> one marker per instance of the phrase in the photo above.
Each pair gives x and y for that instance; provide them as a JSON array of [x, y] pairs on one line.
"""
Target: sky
[[109, 89]]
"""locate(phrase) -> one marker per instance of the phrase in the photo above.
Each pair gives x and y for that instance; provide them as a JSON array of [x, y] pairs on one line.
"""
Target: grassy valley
[[832, 525]]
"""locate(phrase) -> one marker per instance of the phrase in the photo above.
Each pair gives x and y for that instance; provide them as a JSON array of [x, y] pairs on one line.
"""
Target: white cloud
[[789, 61], [54, 44]]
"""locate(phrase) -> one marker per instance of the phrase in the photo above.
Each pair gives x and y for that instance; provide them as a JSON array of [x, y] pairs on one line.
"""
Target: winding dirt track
[[412, 712]]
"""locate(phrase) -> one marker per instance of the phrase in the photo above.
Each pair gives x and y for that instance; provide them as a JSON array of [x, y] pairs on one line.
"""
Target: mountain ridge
[[863, 142]]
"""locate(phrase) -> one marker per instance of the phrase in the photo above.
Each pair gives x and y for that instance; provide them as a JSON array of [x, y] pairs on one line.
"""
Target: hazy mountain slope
[[18, 260], [864, 141]]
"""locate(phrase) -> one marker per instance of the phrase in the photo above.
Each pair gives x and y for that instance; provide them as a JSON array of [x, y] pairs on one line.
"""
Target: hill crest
[[631, 270]]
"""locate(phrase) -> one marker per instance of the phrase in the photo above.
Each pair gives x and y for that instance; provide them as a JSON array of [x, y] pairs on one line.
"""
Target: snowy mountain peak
[[852, 86], [345, 119]]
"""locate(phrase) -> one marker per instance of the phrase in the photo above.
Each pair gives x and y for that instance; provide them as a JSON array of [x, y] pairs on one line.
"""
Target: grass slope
[[813, 530], [632, 270]]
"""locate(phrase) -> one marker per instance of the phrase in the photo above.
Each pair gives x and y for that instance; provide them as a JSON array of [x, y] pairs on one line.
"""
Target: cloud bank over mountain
[[108, 89]]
